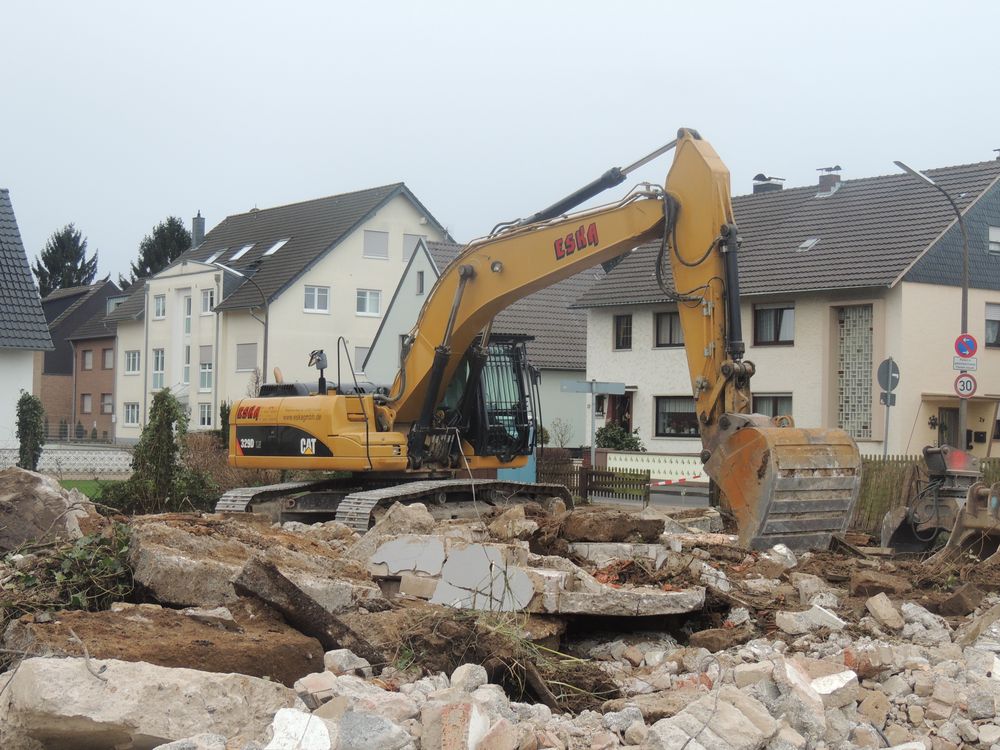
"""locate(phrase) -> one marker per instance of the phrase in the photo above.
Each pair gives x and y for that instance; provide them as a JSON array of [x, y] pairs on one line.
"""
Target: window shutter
[[246, 356], [205, 355]]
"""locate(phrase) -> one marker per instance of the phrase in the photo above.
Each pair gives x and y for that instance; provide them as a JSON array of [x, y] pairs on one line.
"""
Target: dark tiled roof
[[311, 228], [442, 253], [98, 327], [870, 231], [22, 322], [81, 293], [560, 333], [133, 307]]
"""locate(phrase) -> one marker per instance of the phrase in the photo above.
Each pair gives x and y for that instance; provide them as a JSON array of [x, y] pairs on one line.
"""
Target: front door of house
[[620, 410], [948, 427]]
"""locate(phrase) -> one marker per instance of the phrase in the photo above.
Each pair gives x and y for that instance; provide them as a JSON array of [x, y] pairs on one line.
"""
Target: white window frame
[[87, 359], [364, 247], [130, 418], [108, 359], [774, 399], [367, 294], [207, 301], [109, 403], [86, 403], [133, 368], [205, 369], [186, 371], [204, 415], [159, 306], [420, 283], [669, 435], [159, 368], [315, 292], [993, 240], [276, 246], [188, 309]]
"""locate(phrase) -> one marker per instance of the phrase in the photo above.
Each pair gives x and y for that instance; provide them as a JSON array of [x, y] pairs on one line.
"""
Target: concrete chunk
[[61, 703], [884, 612]]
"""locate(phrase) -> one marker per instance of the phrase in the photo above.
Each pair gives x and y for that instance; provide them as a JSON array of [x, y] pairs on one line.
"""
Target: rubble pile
[[523, 629]]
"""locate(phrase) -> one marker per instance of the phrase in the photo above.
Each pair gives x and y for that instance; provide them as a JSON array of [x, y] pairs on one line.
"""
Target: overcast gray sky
[[116, 115]]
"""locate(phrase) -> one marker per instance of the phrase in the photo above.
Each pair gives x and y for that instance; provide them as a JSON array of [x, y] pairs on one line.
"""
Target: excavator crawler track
[[354, 506]]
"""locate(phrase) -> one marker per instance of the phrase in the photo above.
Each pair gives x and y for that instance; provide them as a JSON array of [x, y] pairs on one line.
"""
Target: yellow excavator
[[462, 399]]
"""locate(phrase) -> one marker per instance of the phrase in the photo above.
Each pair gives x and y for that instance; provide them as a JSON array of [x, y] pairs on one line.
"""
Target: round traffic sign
[[966, 345], [888, 375], [965, 385]]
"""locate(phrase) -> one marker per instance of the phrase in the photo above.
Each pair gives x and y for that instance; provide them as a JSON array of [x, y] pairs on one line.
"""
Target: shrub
[[616, 437], [30, 431], [79, 431], [160, 479], [63, 429]]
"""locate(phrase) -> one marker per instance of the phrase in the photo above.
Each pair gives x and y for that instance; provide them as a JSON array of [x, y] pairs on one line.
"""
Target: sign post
[[593, 387], [888, 379]]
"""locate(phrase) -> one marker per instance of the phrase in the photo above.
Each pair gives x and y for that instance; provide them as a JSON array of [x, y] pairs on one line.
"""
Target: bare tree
[[253, 385], [561, 432]]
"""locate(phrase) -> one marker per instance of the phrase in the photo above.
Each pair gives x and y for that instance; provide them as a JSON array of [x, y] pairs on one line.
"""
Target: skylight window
[[241, 252], [276, 246], [809, 244], [215, 256]]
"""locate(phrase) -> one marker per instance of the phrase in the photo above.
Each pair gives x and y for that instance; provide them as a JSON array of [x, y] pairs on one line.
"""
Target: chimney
[[764, 184], [829, 180], [197, 230]]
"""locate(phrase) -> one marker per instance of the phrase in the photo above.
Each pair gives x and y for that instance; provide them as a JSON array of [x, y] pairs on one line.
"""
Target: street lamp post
[[963, 403], [263, 300]]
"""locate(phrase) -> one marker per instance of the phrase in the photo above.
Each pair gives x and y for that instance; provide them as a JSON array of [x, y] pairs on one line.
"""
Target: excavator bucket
[[787, 485]]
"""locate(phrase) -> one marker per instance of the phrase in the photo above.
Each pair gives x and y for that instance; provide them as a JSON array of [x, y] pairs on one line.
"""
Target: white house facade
[[325, 269]]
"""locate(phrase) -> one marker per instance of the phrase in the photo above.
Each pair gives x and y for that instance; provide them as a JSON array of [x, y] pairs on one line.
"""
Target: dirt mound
[[264, 646]]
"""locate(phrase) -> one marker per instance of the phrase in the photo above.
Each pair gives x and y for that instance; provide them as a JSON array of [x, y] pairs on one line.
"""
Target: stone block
[[369, 731], [478, 577], [875, 708], [837, 690], [871, 582], [751, 674], [344, 661], [884, 612], [417, 586], [503, 735], [468, 677], [296, 730], [962, 601], [452, 726]]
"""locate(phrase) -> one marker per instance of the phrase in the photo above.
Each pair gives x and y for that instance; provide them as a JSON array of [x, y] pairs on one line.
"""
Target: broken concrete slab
[[478, 577], [962, 601], [729, 719], [82, 704], [399, 519], [603, 553], [35, 508], [798, 623], [262, 645], [409, 553], [191, 561], [658, 705]]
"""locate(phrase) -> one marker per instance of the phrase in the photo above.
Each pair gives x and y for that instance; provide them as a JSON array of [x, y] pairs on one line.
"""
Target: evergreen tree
[[63, 262], [158, 250]]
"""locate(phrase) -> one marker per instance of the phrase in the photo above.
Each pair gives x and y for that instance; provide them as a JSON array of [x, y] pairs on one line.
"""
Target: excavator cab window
[[503, 424]]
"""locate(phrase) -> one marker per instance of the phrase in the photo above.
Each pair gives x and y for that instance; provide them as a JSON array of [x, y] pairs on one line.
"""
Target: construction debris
[[518, 629], [35, 509]]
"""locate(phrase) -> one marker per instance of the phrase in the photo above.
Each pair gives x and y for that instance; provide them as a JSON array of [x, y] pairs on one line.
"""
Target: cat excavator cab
[[461, 401]]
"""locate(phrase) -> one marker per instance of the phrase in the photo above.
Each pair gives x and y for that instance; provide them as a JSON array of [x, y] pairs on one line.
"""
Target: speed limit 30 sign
[[965, 385]]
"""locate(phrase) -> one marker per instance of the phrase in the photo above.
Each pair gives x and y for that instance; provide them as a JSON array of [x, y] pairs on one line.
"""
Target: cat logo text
[[307, 446], [583, 237]]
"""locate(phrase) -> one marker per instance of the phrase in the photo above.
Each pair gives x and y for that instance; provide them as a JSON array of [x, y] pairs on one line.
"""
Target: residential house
[[94, 360], [23, 329], [71, 413], [557, 343], [260, 292], [834, 279]]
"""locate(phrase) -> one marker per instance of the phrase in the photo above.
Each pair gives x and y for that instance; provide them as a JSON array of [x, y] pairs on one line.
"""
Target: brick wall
[[97, 383], [56, 392]]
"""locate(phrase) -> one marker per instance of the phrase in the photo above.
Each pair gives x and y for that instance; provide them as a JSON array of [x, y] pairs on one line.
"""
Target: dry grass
[[205, 454]]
